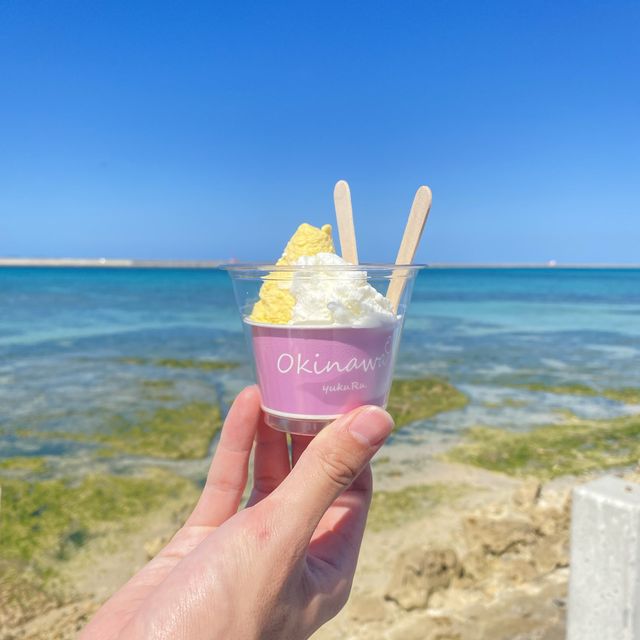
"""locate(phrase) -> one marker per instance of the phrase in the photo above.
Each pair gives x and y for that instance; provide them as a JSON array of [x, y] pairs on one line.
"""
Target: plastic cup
[[310, 374]]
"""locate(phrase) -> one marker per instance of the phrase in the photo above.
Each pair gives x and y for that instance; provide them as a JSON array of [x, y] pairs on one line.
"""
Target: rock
[[489, 573], [551, 552], [554, 633], [366, 608], [515, 569], [418, 573], [553, 515], [528, 494], [60, 623], [498, 534], [475, 567], [507, 584], [517, 542], [455, 598], [508, 627], [511, 614], [428, 628]]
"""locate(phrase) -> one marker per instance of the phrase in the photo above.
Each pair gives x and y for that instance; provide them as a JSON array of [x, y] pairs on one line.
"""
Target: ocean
[[77, 344]]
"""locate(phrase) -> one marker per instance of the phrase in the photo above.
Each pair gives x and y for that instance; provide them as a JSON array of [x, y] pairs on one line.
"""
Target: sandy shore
[[469, 597], [467, 537]]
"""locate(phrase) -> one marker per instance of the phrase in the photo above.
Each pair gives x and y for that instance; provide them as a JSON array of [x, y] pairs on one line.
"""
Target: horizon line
[[212, 264]]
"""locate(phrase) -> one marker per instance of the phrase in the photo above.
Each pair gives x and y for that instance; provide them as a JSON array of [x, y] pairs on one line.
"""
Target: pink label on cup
[[323, 372]]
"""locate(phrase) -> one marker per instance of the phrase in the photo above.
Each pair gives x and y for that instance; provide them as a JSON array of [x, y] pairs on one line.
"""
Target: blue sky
[[210, 130]]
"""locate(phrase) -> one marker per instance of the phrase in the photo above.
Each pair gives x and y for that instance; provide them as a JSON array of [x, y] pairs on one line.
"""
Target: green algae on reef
[[24, 595], [177, 363], [392, 508], [421, 398], [178, 432], [167, 432], [575, 447], [46, 521], [161, 390], [158, 384], [31, 464], [507, 403], [628, 395], [575, 389]]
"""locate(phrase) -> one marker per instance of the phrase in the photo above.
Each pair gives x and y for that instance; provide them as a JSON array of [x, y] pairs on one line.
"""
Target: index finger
[[227, 477]]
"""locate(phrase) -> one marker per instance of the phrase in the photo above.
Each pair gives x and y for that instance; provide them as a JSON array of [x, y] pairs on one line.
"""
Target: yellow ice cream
[[307, 241], [276, 303]]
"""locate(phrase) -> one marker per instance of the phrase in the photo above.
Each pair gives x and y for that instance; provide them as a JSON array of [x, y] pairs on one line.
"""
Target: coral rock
[[498, 534], [366, 608], [528, 494], [418, 573]]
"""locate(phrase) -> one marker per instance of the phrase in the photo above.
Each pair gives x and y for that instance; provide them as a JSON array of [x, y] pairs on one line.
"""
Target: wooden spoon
[[344, 216], [410, 240]]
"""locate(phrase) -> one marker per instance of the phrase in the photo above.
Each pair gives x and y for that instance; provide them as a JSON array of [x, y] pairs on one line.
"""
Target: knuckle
[[340, 469]]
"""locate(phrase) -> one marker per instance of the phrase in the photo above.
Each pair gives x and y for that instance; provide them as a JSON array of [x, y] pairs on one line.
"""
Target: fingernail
[[371, 426]]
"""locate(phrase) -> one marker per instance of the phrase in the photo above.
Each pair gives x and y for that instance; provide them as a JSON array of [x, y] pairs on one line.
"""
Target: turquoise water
[[64, 332]]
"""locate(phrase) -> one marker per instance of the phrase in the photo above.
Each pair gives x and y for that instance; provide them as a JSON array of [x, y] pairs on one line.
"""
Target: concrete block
[[604, 583]]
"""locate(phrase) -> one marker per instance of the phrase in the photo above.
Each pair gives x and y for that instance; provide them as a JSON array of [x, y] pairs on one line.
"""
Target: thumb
[[328, 466]]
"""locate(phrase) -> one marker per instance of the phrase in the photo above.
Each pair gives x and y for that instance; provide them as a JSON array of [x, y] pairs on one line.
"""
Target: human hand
[[278, 569]]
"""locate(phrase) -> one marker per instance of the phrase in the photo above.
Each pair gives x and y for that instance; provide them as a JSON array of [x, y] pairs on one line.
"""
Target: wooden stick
[[344, 216], [410, 240]]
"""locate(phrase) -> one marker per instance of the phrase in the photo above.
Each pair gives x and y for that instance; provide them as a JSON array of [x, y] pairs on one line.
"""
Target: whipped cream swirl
[[335, 297]]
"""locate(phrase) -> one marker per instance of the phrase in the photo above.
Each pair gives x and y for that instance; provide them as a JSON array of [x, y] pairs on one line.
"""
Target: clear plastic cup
[[310, 374]]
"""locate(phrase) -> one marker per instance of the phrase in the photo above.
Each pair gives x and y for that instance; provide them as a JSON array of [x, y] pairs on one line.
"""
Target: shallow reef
[[181, 363], [157, 384], [178, 432], [414, 399], [45, 522], [628, 395], [30, 464], [507, 403], [159, 390], [47, 519], [574, 447]]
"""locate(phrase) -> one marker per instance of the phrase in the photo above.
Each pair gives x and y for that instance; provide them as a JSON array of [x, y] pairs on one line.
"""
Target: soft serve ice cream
[[313, 295], [323, 337]]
